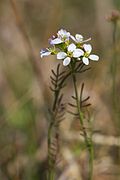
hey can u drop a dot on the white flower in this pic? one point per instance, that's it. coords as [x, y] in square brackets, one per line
[87, 56]
[72, 51]
[79, 38]
[55, 41]
[45, 52]
[62, 36]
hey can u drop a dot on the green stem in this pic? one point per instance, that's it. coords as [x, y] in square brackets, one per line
[88, 141]
[51, 174]
[114, 66]
[91, 158]
[51, 171]
[115, 98]
[116, 114]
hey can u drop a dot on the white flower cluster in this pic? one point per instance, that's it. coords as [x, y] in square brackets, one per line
[68, 48]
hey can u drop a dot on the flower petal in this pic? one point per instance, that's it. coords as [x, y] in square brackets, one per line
[85, 60]
[61, 55]
[77, 53]
[88, 48]
[73, 38]
[94, 57]
[62, 33]
[66, 61]
[44, 53]
[79, 38]
[71, 47]
[56, 41]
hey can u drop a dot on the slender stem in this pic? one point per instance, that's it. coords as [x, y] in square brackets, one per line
[115, 106]
[114, 32]
[51, 174]
[88, 141]
[114, 65]
[51, 171]
[91, 155]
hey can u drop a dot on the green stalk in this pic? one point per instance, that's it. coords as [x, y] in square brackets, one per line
[88, 141]
[51, 171]
[114, 65]
[116, 114]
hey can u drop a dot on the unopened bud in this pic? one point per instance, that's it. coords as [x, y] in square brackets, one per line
[114, 16]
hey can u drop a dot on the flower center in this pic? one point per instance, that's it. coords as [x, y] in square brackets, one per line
[70, 54]
[79, 45]
[86, 54]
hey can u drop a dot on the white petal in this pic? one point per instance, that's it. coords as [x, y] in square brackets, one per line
[68, 35]
[88, 48]
[66, 61]
[77, 53]
[79, 37]
[45, 54]
[85, 60]
[63, 34]
[71, 47]
[94, 57]
[73, 38]
[61, 55]
[56, 41]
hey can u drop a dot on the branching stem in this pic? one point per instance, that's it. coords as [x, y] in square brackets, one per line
[51, 171]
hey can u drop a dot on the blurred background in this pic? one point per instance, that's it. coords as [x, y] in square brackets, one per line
[25, 27]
